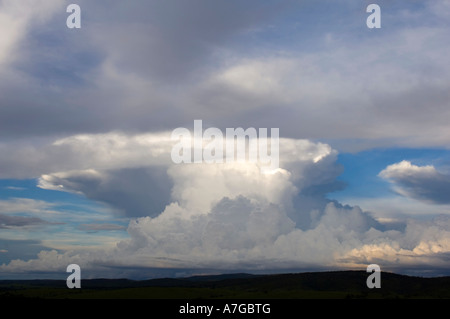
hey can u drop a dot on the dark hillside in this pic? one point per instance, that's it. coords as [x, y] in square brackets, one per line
[339, 284]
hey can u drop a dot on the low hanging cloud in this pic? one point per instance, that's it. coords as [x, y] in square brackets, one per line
[423, 183]
[247, 235]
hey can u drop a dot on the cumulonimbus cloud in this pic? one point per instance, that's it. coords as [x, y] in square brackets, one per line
[233, 216]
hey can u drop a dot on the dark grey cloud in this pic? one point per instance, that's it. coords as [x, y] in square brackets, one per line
[171, 39]
[424, 183]
[130, 192]
[68, 81]
[153, 65]
[9, 221]
[95, 227]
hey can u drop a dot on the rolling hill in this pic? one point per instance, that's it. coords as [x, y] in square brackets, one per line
[310, 285]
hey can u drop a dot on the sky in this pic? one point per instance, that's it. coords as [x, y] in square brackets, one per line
[86, 116]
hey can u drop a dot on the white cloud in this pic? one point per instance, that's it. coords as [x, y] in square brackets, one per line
[26, 205]
[395, 208]
[16, 17]
[47, 261]
[420, 182]
[134, 173]
[112, 150]
[232, 216]
[15, 188]
[421, 245]
[245, 234]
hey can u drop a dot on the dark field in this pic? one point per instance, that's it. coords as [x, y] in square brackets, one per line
[317, 285]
